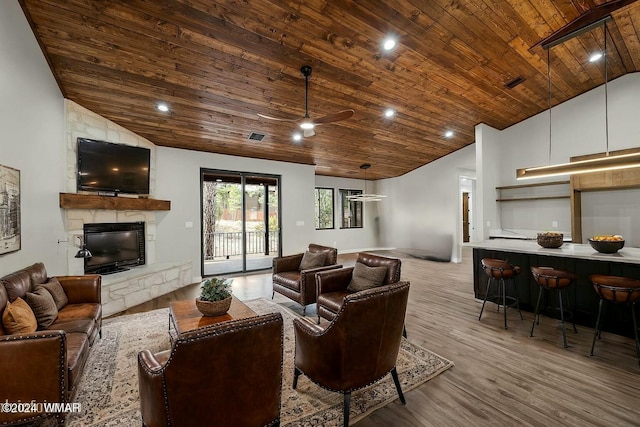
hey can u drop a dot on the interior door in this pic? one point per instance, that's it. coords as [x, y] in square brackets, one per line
[465, 217]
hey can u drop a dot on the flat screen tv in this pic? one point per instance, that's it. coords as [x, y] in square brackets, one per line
[114, 247]
[112, 168]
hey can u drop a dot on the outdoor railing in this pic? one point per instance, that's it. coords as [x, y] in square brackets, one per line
[225, 245]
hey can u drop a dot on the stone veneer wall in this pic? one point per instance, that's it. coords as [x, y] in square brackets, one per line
[122, 290]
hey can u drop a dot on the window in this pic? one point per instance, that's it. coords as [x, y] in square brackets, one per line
[324, 208]
[351, 210]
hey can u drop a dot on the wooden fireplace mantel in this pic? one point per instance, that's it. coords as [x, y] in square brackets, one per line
[93, 201]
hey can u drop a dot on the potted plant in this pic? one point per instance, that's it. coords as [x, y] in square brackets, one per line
[215, 296]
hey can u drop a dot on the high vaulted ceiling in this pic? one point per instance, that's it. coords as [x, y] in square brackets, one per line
[219, 63]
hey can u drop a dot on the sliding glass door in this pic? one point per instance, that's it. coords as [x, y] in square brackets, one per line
[240, 221]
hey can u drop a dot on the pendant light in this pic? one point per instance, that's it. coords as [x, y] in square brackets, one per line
[604, 163]
[365, 197]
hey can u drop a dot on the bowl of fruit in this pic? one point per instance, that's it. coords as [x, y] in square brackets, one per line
[607, 243]
[550, 239]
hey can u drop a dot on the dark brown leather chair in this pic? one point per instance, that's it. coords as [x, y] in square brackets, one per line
[300, 286]
[359, 347]
[228, 374]
[332, 285]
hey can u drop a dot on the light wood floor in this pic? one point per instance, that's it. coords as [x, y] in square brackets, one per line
[500, 377]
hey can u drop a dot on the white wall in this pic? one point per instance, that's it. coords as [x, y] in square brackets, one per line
[178, 180]
[32, 123]
[353, 239]
[421, 210]
[577, 128]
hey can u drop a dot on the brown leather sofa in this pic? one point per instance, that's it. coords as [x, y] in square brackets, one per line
[46, 365]
[227, 374]
[359, 347]
[332, 285]
[300, 286]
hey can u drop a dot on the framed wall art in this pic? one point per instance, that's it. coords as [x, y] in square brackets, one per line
[9, 210]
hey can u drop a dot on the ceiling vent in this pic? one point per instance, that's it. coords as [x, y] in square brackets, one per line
[515, 82]
[255, 136]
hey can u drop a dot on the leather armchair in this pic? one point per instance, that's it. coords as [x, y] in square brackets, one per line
[227, 374]
[359, 347]
[332, 285]
[300, 286]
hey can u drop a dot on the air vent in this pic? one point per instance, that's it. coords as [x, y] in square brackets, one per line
[515, 82]
[255, 136]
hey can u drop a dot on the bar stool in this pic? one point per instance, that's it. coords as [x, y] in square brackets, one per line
[619, 290]
[550, 279]
[500, 271]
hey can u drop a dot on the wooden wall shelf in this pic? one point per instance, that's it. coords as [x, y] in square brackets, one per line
[93, 201]
[520, 199]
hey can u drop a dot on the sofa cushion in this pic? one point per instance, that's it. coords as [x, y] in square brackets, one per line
[18, 318]
[80, 326]
[77, 353]
[57, 292]
[37, 274]
[80, 311]
[17, 284]
[312, 260]
[42, 305]
[365, 277]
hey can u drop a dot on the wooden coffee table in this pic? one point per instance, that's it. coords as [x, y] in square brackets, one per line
[184, 316]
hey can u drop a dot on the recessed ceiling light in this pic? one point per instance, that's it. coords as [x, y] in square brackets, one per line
[595, 56]
[297, 137]
[162, 107]
[389, 43]
[389, 112]
[448, 134]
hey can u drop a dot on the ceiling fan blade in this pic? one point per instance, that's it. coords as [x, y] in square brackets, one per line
[341, 115]
[281, 119]
[308, 132]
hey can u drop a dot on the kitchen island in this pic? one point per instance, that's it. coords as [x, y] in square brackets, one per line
[581, 259]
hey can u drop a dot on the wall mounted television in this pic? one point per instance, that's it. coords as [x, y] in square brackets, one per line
[114, 247]
[111, 168]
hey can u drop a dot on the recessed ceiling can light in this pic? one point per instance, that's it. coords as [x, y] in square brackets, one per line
[162, 107]
[389, 43]
[448, 134]
[297, 137]
[595, 57]
[389, 112]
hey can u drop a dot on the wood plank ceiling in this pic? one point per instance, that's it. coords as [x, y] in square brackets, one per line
[219, 63]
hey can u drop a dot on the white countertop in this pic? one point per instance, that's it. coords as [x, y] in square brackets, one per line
[568, 250]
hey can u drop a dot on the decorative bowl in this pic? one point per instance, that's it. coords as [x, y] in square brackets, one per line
[606, 246]
[550, 240]
[213, 308]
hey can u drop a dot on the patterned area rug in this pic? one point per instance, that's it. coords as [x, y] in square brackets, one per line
[109, 388]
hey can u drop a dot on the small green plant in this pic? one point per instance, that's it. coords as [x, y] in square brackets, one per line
[215, 289]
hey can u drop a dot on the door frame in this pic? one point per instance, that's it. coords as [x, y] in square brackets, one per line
[242, 175]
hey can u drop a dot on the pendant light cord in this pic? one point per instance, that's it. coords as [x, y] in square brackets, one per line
[549, 83]
[606, 94]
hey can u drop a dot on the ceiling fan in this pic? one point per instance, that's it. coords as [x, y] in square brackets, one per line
[306, 123]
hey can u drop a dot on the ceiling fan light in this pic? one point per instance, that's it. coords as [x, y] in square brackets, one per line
[595, 56]
[306, 125]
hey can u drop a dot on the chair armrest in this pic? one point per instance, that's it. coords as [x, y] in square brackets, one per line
[309, 327]
[333, 280]
[287, 263]
[34, 366]
[311, 271]
[148, 361]
[152, 398]
[82, 289]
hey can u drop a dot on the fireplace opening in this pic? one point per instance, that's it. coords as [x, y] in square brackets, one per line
[114, 247]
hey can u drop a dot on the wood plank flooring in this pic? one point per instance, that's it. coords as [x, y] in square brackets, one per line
[500, 377]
